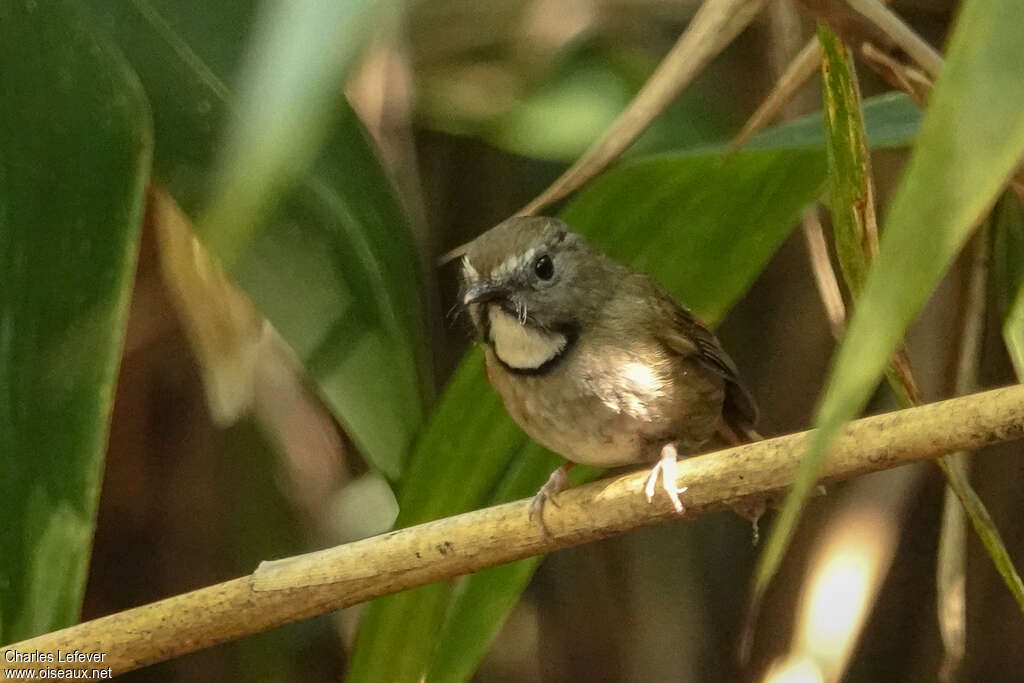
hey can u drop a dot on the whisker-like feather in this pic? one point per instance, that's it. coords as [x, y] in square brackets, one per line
[453, 313]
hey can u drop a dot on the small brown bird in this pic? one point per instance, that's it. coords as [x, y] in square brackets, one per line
[593, 360]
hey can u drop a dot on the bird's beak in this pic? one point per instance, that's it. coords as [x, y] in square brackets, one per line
[483, 292]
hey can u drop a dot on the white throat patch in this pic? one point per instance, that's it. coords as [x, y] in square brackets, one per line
[519, 346]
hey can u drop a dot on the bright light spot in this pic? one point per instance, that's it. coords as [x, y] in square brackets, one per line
[641, 385]
[847, 569]
[795, 670]
[642, 377]
[838, 601]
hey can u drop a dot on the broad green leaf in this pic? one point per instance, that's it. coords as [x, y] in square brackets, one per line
[75, 146]
[705, 227]
[475, 440]
[334, 267]
[971, 138]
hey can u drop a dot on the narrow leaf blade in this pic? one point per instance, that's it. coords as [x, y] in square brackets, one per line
[851, 195]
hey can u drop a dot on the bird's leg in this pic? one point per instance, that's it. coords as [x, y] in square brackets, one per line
[666, 467]
[556, 483]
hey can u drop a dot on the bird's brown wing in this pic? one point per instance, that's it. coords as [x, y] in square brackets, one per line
[689, 337]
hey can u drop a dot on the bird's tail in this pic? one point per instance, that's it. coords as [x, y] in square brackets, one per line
[733, 432]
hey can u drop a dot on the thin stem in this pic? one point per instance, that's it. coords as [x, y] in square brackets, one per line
[824, 273]
[951, 570]
[927, 57]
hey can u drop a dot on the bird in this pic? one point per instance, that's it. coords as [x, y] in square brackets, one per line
[594, 360]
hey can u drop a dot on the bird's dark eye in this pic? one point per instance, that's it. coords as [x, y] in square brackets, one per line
[543, 267]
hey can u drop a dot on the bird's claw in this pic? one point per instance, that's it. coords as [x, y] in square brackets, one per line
[666, 468]
[556, 483]
[538, 502]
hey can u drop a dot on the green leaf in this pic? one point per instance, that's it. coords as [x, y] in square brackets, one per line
[465, 447]
[984, 526]
[971, 138]
[482, 601]
[1007, 269]
[851, 195]
[851, 189]
[334, 267]
[891, 119]
[75, 135]
[703, 226]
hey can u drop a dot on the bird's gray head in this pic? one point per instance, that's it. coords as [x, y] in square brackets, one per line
[535, 271]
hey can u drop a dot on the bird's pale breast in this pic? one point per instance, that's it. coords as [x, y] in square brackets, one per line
[614, 404]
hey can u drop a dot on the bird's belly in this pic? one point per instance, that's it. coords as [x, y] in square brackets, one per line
[589, 435]
[590, 429]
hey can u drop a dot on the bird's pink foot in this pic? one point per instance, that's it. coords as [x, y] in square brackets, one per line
[666, 468]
